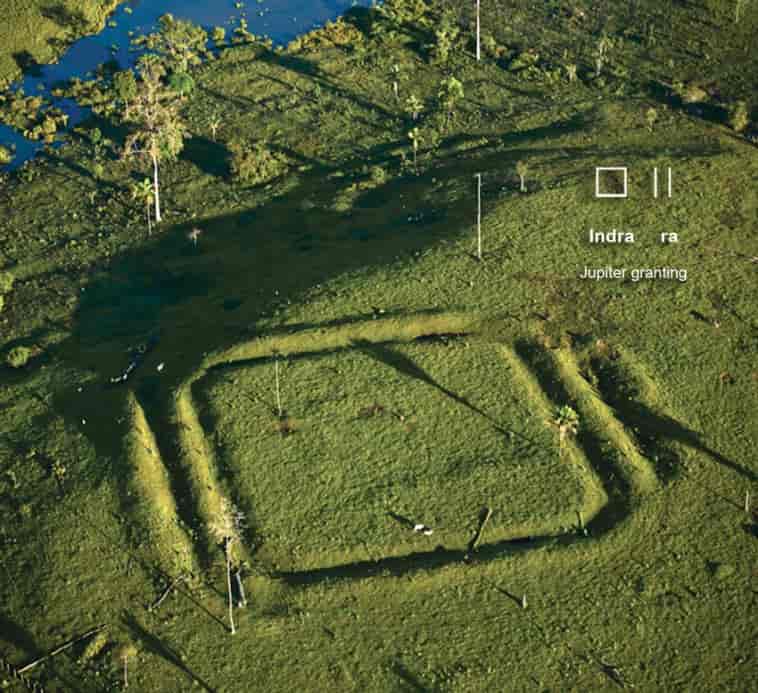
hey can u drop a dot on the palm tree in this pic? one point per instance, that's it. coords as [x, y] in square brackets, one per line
[214, 125]
[226, 529]
[566, 421]
[414, 106]
[449, 94]
[143, 191]
[415, 137]
[123, 653]
[522, 168]
[158, 130]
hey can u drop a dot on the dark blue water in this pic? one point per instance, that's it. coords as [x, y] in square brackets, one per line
[280, 20]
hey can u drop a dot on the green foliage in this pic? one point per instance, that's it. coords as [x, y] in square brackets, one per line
[125, 86]
[241, 33]
[445, 36]
[651, 117]
[567, 422]
[449, 95]
[739, 117]
[6, 282]
[158, 130]
[414, 106]
[182, 83]
[6, 156]
[94, 647]
[255, 163]
[179, 42]
[18, 357]
[218, 35]
[377, 175]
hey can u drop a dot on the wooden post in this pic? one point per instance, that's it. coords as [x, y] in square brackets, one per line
[479, 214]
[278, 393]
[64, 646]
[228, 552]
[523, 601]
[747, 502]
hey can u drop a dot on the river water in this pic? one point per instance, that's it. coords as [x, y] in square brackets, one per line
[281, 20]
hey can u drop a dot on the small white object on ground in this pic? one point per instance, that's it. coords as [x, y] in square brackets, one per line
[426, 531]
[160, 366]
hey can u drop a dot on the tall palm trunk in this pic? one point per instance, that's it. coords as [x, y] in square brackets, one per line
[478, 34]
[156, 191]
[227, 550]
[149, 218]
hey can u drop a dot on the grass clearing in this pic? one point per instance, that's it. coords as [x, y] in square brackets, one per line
[387, 436]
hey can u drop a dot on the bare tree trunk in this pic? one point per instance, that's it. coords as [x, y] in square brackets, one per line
[149, 218]
[227, 551]
[478, 34]
[156, 191]
[126, 673]
[278, 392]
[523, 186]
[479, 216]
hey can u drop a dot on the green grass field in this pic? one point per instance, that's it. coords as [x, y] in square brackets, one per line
[418, 384]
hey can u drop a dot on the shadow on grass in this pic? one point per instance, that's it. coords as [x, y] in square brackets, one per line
[410, 681]
[160, 289]
[408, 367]
[14, 634]
[153, 644]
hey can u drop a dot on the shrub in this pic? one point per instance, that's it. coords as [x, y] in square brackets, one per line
[218, 35]
[6, 282]
[255, 164]
[182, 83]
[445, 37]
[18, 357]
[125, 85]
[6, 156]
[378, 175]
[739, 118]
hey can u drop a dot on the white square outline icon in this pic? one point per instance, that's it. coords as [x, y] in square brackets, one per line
[598, 170]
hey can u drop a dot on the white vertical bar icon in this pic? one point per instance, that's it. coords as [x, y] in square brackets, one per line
[655, 182]
[669, 181]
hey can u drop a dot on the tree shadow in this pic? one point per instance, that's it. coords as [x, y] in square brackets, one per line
[28, 64]
[408, 367]
[153, 644]
[14, 634]
[652, 425]
[209, 156]
[410, 681]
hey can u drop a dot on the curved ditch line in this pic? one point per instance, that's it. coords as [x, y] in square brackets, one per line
[637, 472]
[597, 497]
[150, 494]
[199, 463]
[396, 329]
